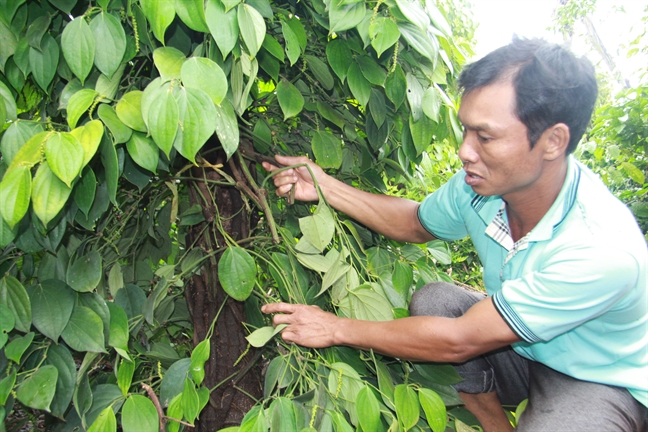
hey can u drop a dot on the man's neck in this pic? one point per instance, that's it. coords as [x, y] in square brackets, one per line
[525, 209]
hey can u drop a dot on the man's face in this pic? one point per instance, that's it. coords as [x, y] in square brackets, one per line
[496, 153]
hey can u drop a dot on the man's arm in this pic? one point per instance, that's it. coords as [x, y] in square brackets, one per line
[420, 338]
[394, 217]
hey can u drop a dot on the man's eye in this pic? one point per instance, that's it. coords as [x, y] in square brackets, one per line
[483, 138]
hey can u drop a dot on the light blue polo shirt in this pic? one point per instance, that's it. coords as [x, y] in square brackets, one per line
[574, 289]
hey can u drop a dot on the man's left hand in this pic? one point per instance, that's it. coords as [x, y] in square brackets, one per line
[308, 326]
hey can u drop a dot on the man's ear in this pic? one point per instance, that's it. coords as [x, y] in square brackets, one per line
[556, 140]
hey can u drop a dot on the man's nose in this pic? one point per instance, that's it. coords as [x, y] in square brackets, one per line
[467, 152]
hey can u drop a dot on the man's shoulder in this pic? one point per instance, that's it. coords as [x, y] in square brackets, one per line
[598, 220]
[599, 210]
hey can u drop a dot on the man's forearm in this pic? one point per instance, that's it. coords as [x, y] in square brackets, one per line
[393, 217]
[414, 338]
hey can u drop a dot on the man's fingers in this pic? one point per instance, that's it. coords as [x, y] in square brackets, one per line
[269, 167]
[278, 307]
[291, 160]
[282, 319]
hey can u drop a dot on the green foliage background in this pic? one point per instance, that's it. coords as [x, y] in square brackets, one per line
[113, 109]
[109, 109]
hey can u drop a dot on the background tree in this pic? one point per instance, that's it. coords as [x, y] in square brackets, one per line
[139, 237]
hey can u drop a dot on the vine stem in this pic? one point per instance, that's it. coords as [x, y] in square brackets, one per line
[156, 402]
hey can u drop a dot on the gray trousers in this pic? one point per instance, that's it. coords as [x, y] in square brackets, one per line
[557, 402]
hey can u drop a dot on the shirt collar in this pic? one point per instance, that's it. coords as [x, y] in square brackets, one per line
[488, 207]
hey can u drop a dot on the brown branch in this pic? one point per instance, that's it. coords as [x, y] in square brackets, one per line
[262, 200]
[241, 184]
[156, 402]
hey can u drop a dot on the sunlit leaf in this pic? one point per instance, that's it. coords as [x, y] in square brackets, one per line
[633, 172]
[49, 194]
[106, 87]
[197, 123]
[366, 304]
[192, 13]
[384, 34]
[15, 191]
[434, 409]
[419, 40]
[125, 375]
[223, 25]
[190, 401]
[368, 409]
[169, 61]
[345, 16]
[199, 356]
[139, 415]
[319, 228]
[205, 74]
[414, 12]
[227, 127]
[79, 104]
[129, 110]
[163, 120]
[431, 103]
[15, 136]
[89, 136]
[143, 151]
[160, 14]
[105, 422]
[293, 49]
[407, 406]
[261, 336]
[252, 26]
[422, 133]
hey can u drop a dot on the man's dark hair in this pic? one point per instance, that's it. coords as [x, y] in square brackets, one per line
[551, 85]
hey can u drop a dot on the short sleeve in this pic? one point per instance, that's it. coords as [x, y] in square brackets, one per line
[441, 212]
[572, 287]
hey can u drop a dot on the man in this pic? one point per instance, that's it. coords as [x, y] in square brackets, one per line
[564, 261]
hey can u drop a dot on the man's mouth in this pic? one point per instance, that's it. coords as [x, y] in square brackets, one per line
[472, 179]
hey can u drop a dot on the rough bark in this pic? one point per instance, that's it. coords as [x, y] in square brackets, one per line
[238, 380]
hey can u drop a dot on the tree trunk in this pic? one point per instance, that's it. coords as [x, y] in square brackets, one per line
[237, 378]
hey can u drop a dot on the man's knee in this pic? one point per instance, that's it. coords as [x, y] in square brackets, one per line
[560, 402]
[442, 299]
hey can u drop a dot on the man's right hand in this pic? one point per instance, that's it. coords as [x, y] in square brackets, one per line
[299, 178]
